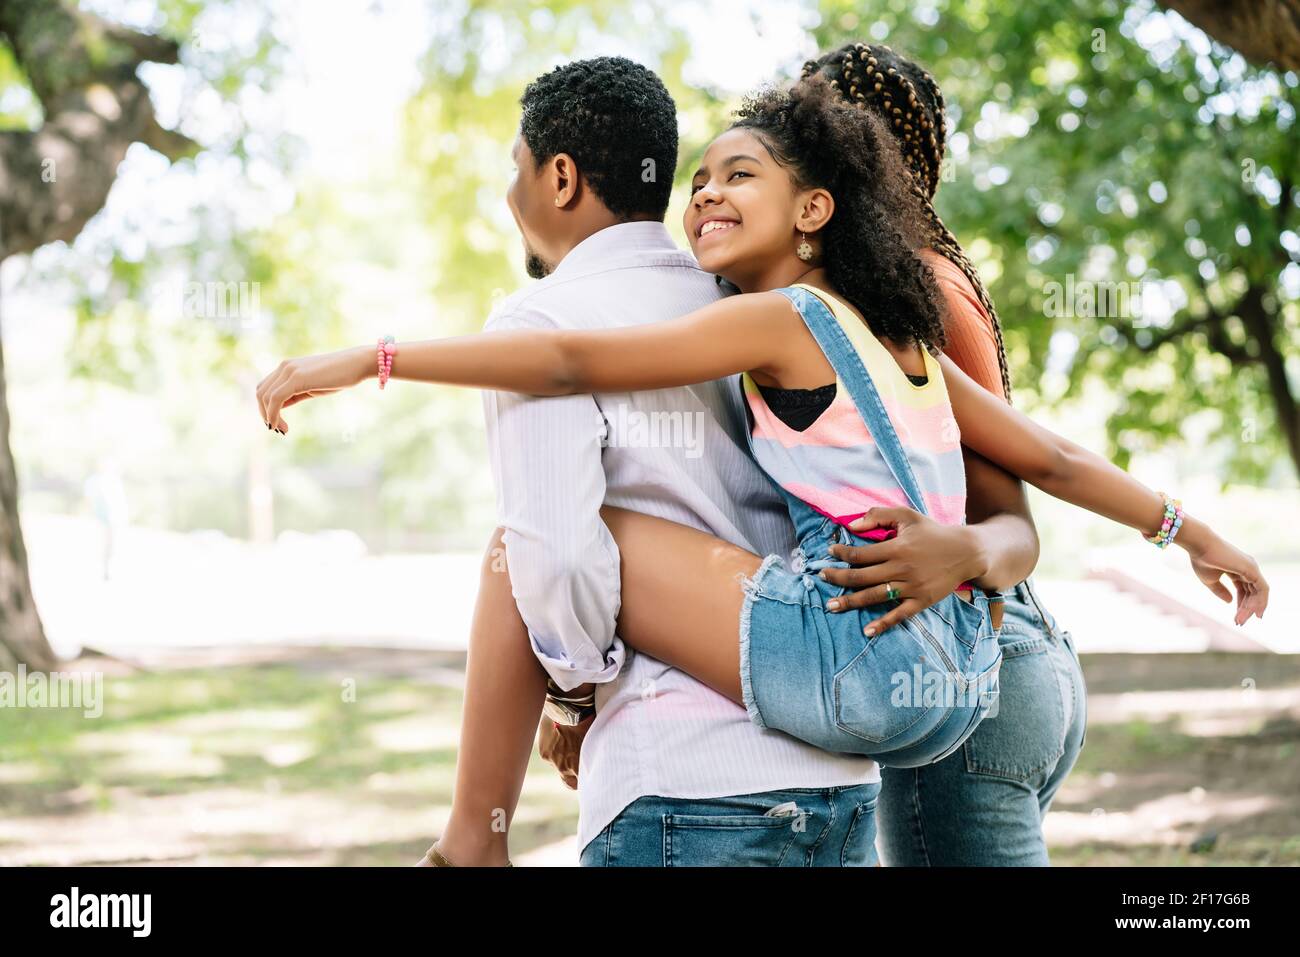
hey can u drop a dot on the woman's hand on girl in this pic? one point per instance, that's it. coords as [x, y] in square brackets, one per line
[295, 380]
[923, 563]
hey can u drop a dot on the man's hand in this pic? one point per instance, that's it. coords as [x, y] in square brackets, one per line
[561, 745]
[924, 562]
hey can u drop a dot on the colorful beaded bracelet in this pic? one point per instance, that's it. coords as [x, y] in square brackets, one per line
[1169, 526]
[384, 357]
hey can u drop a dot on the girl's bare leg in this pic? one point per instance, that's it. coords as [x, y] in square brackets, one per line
[504, 690]
[682, 596]
[681, 601]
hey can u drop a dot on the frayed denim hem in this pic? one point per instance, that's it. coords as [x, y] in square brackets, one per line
[753, 591]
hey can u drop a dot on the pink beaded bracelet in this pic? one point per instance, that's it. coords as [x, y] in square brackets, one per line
[385, 351]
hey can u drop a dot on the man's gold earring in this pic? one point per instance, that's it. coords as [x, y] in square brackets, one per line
[804, 251]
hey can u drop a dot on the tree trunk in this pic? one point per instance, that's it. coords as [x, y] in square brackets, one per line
[22, 639]
[1263, 328]
[1266, 32]
[83, 70]
[52, 181]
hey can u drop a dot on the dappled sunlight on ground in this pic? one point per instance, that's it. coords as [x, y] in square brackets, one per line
[1195, 706]
[1198, 769]
[1174, 819]
[345, 756]
[258, 762]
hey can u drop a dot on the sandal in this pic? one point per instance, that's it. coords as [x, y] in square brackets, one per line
[435, 858]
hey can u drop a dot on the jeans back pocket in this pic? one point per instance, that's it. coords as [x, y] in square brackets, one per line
[968, 620]
[1024, 738]
[898, 688]
[729, 840]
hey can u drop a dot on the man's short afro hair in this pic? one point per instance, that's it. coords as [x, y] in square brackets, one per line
[619, 123]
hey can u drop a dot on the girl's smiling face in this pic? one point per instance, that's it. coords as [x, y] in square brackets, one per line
[741, 218]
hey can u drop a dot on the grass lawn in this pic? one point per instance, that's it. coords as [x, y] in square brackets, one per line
[346, 757]
[263, 761]
[1189, 760]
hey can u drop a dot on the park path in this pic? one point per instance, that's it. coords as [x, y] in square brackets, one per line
[181, 590]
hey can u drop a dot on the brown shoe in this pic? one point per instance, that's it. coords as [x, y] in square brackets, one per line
[434, 858]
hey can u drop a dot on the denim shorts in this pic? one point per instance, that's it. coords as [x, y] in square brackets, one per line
[798, 827]
[908, 697]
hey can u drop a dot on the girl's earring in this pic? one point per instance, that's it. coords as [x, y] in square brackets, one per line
[557, 201]
[804, 250]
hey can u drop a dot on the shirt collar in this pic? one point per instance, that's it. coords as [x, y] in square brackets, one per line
[621, 238]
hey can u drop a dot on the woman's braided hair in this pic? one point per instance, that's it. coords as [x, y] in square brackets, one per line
[877, 79]
[869, 244]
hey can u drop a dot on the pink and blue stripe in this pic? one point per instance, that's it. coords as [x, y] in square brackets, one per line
[834, 465]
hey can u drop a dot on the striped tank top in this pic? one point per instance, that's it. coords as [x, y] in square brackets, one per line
[834, 465]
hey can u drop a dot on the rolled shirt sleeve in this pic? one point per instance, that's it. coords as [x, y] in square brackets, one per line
[563, 562]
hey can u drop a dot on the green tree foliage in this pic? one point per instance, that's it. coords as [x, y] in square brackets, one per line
[1088, 145]
[463, 119]
[1107, 142]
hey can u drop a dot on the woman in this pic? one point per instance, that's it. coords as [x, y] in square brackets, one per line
[984, 805]
[799, 169]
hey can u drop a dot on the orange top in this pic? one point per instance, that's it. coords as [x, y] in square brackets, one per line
[972, 343]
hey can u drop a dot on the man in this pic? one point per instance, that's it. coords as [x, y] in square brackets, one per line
[595, 155]
[672, 773]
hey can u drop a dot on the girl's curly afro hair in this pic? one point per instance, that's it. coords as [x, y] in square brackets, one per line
[869, 244]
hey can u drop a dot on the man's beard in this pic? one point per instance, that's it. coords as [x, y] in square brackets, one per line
[535, 265]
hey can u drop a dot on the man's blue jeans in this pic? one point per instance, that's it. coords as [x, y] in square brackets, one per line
[800, 827]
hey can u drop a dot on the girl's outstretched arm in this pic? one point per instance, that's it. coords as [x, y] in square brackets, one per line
[1071, 473]
[740, 333]
[736, 334]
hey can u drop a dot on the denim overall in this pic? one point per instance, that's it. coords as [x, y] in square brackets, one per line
[908, 697]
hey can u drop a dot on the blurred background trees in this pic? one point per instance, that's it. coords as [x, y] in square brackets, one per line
[350, 184]
[87, 106]
[1103, 141]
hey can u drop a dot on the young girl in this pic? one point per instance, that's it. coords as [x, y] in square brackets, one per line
[798, 206]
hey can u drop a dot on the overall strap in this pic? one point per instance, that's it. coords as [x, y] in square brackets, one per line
[844, 358]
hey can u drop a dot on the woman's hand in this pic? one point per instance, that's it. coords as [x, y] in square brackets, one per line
[295, 380]
[1213, 557]
[925, 561]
